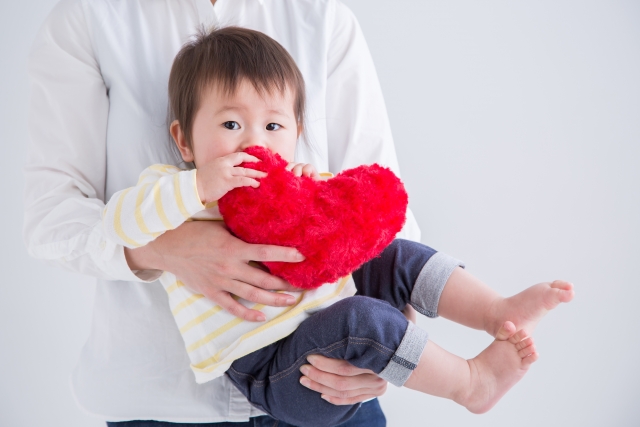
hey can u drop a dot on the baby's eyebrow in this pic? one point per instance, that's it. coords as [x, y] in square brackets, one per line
[279, 112]
[227, 108]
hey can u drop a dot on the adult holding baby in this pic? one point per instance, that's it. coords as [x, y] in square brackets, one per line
[98, 116]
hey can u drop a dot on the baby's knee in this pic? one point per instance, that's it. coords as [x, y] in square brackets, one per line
[361, 310]
[400, 247]
[363, 306]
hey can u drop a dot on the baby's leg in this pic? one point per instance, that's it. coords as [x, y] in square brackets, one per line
[434, 284]
[468, 301]
[406, 272]
[370, 334]
[478, 383]
[365, 332]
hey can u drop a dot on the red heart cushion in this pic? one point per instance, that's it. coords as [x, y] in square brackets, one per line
[337, 224]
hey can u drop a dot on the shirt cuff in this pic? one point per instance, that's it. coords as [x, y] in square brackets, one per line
[430, 283]
[113, 262]
[119, 267]
[189, 189]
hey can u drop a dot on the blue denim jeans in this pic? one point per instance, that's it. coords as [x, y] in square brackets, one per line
[369, 415]
[367, 330]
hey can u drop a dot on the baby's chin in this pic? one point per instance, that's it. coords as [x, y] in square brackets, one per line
[289, 157]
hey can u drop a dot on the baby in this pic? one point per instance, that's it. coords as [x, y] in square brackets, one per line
[235, 88]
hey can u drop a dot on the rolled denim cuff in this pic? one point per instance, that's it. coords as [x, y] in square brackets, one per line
[430, 283]
[406, 357]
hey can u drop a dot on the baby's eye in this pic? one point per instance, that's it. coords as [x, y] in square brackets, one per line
[273, 126]
[231, 125]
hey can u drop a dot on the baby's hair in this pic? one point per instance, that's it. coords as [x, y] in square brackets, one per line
[224, 57]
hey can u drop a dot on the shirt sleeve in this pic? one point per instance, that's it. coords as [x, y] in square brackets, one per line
[65, 170]
[358, 128]
[164, 198]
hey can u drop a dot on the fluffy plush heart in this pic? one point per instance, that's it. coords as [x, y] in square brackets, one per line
[337, 224]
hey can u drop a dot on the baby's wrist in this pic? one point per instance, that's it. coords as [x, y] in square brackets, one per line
[200, 189]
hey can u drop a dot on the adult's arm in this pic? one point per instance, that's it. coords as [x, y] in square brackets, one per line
[358, 132]
[358, 128]
[65, 176]
[65, 170]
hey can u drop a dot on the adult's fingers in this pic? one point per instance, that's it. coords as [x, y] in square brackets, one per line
[336, 366]
[224, 300]
[264, 253]
[348, 401]
[262, 279]
[342, 397]
[341, 383]
[260, 296]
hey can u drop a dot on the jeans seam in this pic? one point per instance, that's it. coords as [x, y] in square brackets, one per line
[331, 347]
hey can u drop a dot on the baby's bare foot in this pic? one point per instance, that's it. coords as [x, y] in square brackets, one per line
[529, 306]
[498, 368]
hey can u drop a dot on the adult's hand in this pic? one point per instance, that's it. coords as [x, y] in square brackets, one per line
[211, 261]
[339, 382]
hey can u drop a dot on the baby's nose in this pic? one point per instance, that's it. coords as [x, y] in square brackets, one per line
[252, 141]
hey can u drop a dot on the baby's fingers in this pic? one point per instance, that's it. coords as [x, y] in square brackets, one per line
[244, 181]
[310, 171]
[237, 158]
[297, 169]
[248, 172]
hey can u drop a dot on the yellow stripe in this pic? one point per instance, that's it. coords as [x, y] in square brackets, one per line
[159, 209]
[186, 303]
[117, 222]
[299, 309]
[211, 204]
[216, 356]
[163, 168]
[217, 308]
[202, 366]
[326, 174]
[204, 316]
[176, 285]
[176, 184]
[221, 330]
[142, 177]
[138, 213]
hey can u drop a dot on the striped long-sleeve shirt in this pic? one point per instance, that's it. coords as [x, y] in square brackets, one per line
[163, 199]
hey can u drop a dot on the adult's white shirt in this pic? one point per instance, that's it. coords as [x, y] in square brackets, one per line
[98, 117]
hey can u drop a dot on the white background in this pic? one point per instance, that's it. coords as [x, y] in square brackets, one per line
[517, 126]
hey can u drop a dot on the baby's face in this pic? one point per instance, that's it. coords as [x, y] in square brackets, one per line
[225, 124]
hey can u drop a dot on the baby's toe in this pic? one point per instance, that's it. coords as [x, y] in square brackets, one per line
[529, 359]
[564, 295]
[562, 284]
[506, 331]
[518, 336]
[527, 351]
[527, 342]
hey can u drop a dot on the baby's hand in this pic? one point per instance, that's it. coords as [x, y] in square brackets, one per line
[302, 169]
[223, 174]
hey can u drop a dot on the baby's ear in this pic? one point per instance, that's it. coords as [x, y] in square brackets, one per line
[178, 137]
